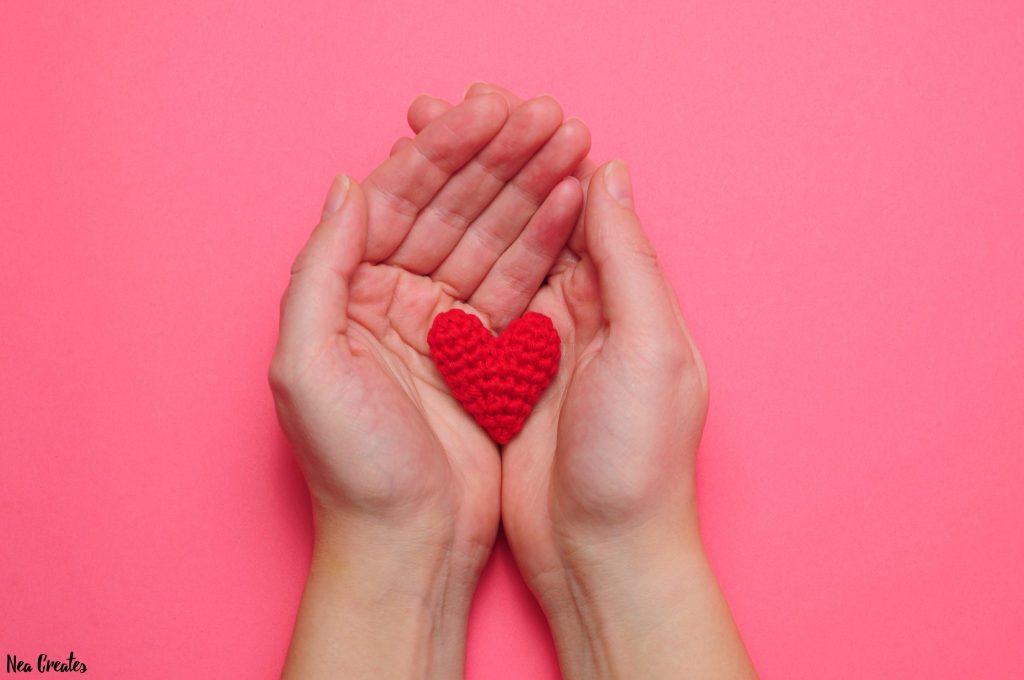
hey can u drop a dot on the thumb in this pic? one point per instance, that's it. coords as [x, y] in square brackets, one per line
[635, 296]
[315, 305]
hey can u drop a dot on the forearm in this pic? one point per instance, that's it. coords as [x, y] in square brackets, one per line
[645, 606]
[378, 609]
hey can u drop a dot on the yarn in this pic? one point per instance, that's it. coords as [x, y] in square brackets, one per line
[497, 379]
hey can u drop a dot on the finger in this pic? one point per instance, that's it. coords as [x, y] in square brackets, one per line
[427, 108]
[400, 143]
[504, 219]
[582, 295]
[314, 306]
[424, 109]
[480, 88]
[577, 240]
[441, 224]
[583, 172]
[586, 167]
[517, 275]
[335, 197]
[636, 298]
[399, 188]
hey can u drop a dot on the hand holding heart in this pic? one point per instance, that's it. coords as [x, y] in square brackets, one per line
[405, 485]
[463, 295]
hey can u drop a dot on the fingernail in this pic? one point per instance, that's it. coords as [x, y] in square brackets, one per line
[336, 195]
[616, 180]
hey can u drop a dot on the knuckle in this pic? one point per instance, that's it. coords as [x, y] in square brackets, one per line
[450, 217]
[524, 190]
[287, 372]
[300, 262]
[279, 374]
[646, 254]
[518, 279]
[490, 239]
[393, 200]
[671, 356]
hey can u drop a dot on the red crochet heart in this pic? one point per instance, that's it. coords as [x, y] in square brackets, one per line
[496, 379]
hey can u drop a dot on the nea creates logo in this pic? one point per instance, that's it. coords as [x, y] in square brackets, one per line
[45, 664]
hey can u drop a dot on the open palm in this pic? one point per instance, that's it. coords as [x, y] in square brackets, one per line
[471, 213]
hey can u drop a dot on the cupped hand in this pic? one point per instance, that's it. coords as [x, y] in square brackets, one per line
[598, 498]
[598, 489]
[471, 214]
[405, 485]
[607, 456]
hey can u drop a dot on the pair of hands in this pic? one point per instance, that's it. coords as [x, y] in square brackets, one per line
[493, 208]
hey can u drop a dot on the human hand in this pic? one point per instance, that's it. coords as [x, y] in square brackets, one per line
[426, 108]
[405, 486]
[597, 489]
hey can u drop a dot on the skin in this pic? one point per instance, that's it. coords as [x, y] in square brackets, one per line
[405, 486]
[598, 498]
[596, 493]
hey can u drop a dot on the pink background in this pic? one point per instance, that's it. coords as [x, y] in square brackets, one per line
[836, 188]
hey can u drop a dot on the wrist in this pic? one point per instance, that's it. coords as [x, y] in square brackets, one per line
[608, 593]
[426, 563]
[385, 603]
[420, 547]
[643, 605]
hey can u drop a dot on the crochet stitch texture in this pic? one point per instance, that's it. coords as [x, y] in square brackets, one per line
[496, 379]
